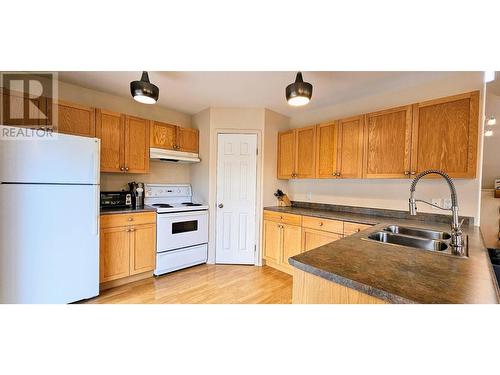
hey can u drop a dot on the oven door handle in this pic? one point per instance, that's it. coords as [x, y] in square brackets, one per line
[166, 215]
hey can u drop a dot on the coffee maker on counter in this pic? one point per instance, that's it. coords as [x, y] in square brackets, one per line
[137, 190]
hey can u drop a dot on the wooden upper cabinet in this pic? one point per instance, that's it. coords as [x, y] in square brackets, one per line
[136, 145]
[75, 119]
[110, 129]
[187, 139]
[387, 143]
[172, 137]
[326, 150]
[445, 135]
[163, 135]
[286, 154]
[305, 153]
[350, 147]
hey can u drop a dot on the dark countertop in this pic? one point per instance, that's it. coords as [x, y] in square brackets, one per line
[399, 274]
[109, 211]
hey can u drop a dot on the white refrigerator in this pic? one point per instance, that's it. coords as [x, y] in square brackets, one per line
[49, 219]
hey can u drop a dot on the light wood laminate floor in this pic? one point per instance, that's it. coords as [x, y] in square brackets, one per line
[206, 283]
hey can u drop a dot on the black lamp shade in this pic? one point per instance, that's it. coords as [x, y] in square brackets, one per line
[298, 93]
[144, 91]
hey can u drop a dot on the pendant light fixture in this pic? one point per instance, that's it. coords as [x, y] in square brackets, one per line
[298, 93]
[144, 91]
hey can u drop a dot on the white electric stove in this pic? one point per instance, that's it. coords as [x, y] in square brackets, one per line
[181, 227]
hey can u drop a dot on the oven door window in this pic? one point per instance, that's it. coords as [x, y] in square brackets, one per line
[185, 226]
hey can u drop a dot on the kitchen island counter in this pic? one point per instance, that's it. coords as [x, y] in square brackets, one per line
[399, 274]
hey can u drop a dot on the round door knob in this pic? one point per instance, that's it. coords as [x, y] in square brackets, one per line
[321, 224]
[126, 168]
[130, 219]
[122, 169]
[221, 205]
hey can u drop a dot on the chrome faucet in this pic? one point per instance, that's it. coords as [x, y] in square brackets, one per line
[458, 246]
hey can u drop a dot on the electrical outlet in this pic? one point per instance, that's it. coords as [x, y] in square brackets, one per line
[309, 196]
[447, 203]
[436, 201]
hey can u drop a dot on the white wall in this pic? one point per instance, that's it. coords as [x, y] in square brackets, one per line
[273, 123]
[213, 121]
[392, 194]
[491, 149]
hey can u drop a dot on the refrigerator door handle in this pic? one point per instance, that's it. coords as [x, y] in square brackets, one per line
[97, 208]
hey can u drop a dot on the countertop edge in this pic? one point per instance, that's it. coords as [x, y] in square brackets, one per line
[124, 211]
[360, 287]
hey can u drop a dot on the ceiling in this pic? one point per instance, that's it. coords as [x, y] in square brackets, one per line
[191, 92]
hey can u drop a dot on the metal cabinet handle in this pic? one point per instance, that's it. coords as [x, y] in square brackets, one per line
[126, 169]
[220, 205]
[320, 223]
[130, 230]
[407, 173]
[122, 169]
[130, 219]
[413, 172]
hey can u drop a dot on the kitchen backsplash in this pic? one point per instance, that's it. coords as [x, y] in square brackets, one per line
[160, 172]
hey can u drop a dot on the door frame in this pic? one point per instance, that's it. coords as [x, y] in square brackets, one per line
[258, 191]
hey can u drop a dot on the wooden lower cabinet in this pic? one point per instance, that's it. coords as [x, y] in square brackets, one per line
[272, 241]
[142, 248]
[286, 235]
[114, 254]
[313, 238]
[126, 250]
[312, 289]
[281, 241]
[292, 242]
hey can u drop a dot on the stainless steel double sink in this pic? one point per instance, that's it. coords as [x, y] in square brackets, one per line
[425, 239]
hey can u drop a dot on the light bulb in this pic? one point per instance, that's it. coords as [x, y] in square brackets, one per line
[297, 101]
[491, 121]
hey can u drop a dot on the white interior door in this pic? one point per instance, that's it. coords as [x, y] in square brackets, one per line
[236, 198]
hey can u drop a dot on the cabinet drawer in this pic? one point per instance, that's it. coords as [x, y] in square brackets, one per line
[351, 228]
[282, 217]
[119, 220]
[328, 225]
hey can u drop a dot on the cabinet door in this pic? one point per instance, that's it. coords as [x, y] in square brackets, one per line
[75, 119]
[445, 135]
[110, 129]
[163, 135]
[272, 241]
[142, 248]
[187, 139]
[114, 253]
[136, 145]
[388, 143]
[326, 150]
[286, 154]
[305, 154]
[292, 242]
[313, 238]
[350, 147]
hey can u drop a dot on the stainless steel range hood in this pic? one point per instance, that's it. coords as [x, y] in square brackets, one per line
[173, 156]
